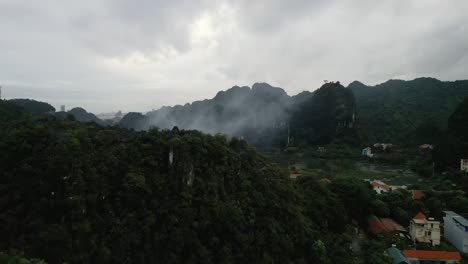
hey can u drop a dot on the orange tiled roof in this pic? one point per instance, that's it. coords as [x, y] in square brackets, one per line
[417, 195]
[377, 225]
[391, 225]
[425, 146]
[383, 186]
[428, 254]
[420, 216]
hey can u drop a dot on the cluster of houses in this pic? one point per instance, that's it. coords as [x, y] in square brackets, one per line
[424, 229]
[367, 152]
[380, 187]
[424, 148]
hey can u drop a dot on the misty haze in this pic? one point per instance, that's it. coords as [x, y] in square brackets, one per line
[233, 131]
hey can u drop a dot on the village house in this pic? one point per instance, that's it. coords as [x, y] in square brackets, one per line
[367, 152]
[456, 230]
[379, 186]
[383, 146]
[294, 175]
[429, 256]
[321, 149]
[425, 230]
[417, 195]
[464, 165]
[426, 146]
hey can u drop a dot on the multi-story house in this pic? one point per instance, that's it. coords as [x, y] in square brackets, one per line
[464, 164]
[425, 230]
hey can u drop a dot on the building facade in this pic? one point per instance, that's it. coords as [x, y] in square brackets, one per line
[456, 230]
[379, 186]
[464, 164]
[367, 152]
[425, 230]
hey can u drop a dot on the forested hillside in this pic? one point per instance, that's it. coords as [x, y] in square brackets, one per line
[326, 116]
[73, 192]
[264, 116]
[81, 115]
[80, 193]
[34, 107]
[453, 143]
[394, 110]
[258, 114]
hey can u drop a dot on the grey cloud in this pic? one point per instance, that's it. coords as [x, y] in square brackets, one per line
[138, 55]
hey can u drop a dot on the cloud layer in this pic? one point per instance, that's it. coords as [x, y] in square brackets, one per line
[138, 55]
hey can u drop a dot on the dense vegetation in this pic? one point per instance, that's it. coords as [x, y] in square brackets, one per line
[452, 144]
[395, 110]
[78, 192]
[263, 115]
[258, 115]
[325, 117]
[81, 115]
[81, 193]
[33, 107]
[402, 112]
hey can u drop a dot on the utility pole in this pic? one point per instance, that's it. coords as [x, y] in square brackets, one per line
[0, 92]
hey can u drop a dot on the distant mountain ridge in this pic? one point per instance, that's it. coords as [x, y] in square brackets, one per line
[256, 114]
[33, 107]
[81, 115]
[395, 109]
[260, 114]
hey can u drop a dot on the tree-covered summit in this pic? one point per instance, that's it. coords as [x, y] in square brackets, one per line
[81, 193]
[393, 111]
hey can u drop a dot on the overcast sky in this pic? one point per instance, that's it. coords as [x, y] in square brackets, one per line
[108, 55]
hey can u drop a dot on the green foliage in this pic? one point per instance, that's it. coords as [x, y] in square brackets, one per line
[134, 120]
[80, 193]
[257, 114]
[81, 115]
[327, 116]
[264, 116]
[356, 196]
[14, 259]
[453, 145]
[396, 111]
[374, 252]
[33, 107]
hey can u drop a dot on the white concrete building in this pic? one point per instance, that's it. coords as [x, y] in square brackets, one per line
[425, 230]
[456, 230]
[464, 165]
[379, 186]
[367, 152]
